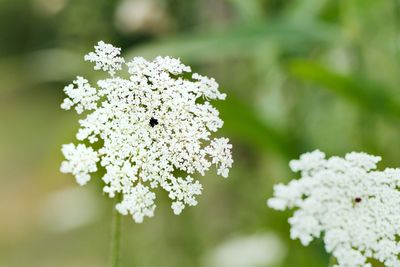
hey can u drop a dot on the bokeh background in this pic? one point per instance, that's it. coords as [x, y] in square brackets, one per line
[299, 75]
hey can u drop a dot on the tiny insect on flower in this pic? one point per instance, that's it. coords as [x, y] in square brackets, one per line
[153, 122]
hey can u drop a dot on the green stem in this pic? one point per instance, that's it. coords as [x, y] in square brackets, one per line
[116, 235]
[332, 261]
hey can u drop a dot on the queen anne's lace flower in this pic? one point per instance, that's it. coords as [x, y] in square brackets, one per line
[146, 129]
[355, 208]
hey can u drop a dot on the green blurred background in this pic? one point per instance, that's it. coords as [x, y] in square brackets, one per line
[299, 75]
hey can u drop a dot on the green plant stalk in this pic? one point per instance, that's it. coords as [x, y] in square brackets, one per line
[332, 261]
[116, 235]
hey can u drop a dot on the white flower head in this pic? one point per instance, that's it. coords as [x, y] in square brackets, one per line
[352, 206]
[146, 128]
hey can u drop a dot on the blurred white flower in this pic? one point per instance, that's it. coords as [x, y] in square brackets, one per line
[146, 127]
[48, 7]
[145, 16]
[259, 250]
[352, 206]
[68, 209]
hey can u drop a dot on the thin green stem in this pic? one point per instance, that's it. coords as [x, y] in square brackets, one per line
[116, 235]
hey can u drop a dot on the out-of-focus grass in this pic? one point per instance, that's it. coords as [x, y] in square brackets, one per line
[361, 91]
[299, 75]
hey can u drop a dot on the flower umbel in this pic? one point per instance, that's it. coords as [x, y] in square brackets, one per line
[146, 127]
[355, 208]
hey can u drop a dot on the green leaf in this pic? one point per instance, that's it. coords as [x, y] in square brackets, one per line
[241, 40]
[365, 93]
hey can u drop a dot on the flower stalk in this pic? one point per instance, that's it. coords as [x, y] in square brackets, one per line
[116, 235]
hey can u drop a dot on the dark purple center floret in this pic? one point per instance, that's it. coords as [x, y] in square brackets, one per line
[153, 122]
[357, 199]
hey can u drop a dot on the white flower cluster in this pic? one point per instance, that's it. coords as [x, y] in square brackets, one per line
[355, 208]
[106, 57]
[81, 161]
[149, 127]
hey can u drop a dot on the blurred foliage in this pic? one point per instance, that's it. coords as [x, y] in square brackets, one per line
[299, 75]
